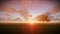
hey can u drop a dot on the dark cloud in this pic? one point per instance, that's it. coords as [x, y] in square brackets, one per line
[4, 1]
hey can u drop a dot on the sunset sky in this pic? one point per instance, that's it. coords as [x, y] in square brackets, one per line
[15, 9]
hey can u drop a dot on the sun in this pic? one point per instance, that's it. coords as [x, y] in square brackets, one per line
[32, 22]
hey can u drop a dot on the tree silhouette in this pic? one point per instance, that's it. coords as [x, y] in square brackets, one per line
[42, 18]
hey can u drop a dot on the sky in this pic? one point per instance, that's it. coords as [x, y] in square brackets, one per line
[23, 9]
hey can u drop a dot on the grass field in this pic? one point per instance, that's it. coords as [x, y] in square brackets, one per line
[26, 28]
